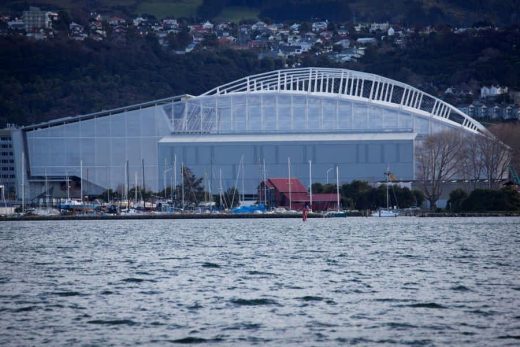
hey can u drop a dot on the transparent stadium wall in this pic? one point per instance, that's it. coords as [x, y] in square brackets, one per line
[103, 144]
[275, 112]
[358, 156]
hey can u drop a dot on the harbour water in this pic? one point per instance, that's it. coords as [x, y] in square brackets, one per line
[325, 282]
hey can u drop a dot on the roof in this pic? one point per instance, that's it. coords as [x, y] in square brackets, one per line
[282, 185]
[352, 85]
[233, 138]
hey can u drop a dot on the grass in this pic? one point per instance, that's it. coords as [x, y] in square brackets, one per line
[158, 8]
[165, 8]
[238, 13]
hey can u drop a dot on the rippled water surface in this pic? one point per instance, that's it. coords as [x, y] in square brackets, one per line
[277, 282]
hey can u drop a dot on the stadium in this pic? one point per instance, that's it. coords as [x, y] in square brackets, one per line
[236, 134]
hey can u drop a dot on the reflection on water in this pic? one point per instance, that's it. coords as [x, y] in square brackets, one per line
[363, 281]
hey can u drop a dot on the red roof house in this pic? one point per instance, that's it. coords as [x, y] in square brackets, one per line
[291, 193]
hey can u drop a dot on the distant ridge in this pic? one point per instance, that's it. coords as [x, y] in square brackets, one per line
[418, 12]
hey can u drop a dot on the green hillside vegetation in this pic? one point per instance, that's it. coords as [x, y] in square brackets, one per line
[46, 80]
[237, 14]
[412, 12]
[168, 8]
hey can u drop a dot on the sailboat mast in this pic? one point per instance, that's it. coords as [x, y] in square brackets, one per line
[174, 177]
[289, 171]
[387, 173]
[310, 183]
[182, 183]
[265, 184]
[337, 185]
[127, 184]
[220, 187]
[135, 188]
[243, 174]
[144, 184]
[23, 182]
[81, 180]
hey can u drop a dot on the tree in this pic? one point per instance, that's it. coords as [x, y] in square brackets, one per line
[180, 40]
[229, 199]
[471, 164]
[495, 159]
[191, 189]
[457, 197]
[353, 194]
[508, 134]
[483, 200]
[437, 161]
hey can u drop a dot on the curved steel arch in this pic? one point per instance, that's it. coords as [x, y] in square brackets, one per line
[353, 85]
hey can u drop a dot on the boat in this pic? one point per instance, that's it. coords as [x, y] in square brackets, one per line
[333, 214]
[386, 212]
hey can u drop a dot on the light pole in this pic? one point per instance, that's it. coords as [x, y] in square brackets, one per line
[328, 170]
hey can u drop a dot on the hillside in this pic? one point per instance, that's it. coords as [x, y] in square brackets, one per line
[417, 12]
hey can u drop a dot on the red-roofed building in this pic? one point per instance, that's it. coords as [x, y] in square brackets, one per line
[284, 192]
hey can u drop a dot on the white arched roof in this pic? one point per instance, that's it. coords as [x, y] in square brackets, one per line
[352, 85]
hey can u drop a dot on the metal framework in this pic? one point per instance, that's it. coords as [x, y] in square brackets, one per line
[351, 85]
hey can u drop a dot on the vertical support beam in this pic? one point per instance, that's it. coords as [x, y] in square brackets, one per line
[371, 95]
[310, 79]
[409, 96]
[419, 102]
[448, 111]
[405, 91]
[379, 90]
[341, 82]
[435, 106]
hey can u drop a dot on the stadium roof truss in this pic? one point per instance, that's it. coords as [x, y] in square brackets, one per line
[194, 115]
[355, 86]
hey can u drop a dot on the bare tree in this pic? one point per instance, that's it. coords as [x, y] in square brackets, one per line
[509, 133]
[470, 159]
[437, 162]
[495, 157]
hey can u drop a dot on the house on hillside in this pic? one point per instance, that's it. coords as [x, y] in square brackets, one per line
[292, 194]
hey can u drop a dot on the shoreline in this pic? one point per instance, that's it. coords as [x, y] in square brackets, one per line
[241, 216]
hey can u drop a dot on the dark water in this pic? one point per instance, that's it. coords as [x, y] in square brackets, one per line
[327, 282]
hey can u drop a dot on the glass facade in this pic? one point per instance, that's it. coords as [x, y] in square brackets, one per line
[285, 112]
[102, 145]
